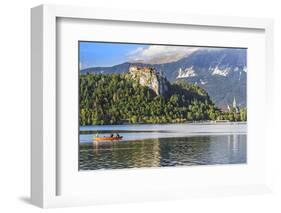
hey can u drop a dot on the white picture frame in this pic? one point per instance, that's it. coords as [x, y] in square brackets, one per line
[44, 148]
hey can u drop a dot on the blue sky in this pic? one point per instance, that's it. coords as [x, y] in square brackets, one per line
[94, 54]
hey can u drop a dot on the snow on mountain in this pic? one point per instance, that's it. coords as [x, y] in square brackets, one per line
[220, 71]
[188, 72]
[203, 82]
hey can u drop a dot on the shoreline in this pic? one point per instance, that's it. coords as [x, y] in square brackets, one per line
[179, 123]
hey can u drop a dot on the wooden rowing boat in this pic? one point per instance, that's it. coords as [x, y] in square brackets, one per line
[115, 138]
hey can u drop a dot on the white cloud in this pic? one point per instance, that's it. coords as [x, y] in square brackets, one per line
[157, 54]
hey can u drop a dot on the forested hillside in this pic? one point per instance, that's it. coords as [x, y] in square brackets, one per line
[115, 99]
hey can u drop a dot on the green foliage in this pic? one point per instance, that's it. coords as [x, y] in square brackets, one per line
[114, 99]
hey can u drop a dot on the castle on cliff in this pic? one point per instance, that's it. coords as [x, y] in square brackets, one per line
[148, 76]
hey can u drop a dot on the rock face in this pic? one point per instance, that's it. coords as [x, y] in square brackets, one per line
[149, 77]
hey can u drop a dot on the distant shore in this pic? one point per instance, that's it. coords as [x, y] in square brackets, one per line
[186, 122]
[85, 128]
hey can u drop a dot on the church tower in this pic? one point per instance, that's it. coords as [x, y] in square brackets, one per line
[234, 103]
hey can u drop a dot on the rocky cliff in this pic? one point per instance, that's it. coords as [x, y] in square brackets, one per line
[149, 77]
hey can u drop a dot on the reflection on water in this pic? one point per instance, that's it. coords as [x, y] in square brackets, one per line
[160, 152]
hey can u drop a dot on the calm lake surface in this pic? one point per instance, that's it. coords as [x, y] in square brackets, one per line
[163, 145]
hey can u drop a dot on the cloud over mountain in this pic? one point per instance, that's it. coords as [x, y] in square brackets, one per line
[159, 54]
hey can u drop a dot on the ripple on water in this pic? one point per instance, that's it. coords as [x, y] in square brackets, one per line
[163, 152]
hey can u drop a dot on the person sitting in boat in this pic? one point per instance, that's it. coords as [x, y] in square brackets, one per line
[112, 135]
[118, 135]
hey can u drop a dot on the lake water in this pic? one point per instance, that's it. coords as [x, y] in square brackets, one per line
[163, 145]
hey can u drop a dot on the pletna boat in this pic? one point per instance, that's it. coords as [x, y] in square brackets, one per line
[114, 138]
